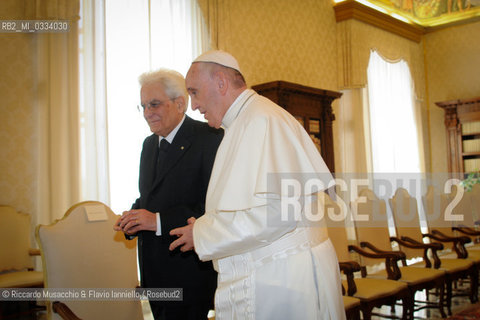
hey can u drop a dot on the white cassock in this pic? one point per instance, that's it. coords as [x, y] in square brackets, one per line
[267, 268]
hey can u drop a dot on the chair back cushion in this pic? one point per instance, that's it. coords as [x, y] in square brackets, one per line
[407, 221]
[338, 235]
[371, 223]
[14, 240]
[78, 253]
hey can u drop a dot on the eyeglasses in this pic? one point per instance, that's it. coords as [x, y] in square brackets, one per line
[154, 104]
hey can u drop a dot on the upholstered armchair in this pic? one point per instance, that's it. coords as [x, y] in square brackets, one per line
[82, 251]
[16, 262]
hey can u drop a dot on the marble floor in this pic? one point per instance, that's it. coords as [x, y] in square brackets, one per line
[459, 303]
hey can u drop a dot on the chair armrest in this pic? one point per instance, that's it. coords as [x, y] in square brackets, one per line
[348, 268]
[472, 233]
[370, 246]
[462, 239]
[34, 252]
[64, 311]
[458, 242]
[413, 244]
[391, 259]
[374, 255]
[466, 230]
[409, 241]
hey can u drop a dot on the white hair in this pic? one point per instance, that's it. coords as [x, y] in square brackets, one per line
[172, 81]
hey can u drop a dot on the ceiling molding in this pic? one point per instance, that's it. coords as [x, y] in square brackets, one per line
[452, 24]
[351, 9]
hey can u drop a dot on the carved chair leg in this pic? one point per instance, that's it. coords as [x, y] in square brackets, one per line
[367, 312]
[449, 297]
[474, 285]
[441, 295]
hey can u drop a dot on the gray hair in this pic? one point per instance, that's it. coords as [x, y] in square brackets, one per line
[172, 81]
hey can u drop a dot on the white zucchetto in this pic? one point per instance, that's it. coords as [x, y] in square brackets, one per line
[219, 57]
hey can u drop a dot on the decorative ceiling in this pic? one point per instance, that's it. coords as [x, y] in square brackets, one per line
[427, 13]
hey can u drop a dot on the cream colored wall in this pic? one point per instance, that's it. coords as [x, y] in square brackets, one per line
[286, 40]
[283, 40]
[18, 140]
[453, 72]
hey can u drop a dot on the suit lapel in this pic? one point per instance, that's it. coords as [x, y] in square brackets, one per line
[177, 149]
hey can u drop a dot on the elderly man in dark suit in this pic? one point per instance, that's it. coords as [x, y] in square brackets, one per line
[175, 168]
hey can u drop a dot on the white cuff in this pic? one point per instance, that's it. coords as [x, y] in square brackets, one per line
[159, 225]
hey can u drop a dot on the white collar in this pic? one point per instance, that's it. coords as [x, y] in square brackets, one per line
[236, 107]
[172, 133]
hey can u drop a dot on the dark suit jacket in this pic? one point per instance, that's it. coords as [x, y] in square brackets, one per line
[177, 193]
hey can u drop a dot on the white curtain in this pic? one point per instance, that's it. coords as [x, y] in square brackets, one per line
[394, 136]
[395, 151]
[56, 103]
[127, 38]
[93, 116]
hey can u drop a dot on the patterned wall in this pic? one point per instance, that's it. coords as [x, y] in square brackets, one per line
[17, 115]
[453, 72]
[283, 40]
[286, 40]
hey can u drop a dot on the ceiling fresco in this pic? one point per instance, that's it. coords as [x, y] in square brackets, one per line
[428, 13]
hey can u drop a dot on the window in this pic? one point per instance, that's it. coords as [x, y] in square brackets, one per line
[120, 39]
[394, 141]
[393, 130]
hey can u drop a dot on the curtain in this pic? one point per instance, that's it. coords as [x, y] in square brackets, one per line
[392, 122]
[93, 114]
[57, 110]
[395, 148]
[356, 39]
[217, 20]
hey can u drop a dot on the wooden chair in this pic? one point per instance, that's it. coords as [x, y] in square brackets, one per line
[83, 251]
[16, 262]
[373, 235]
[475, 193]
[16, 254]
[458, 233]
[410, 238]
[371, 292]
[461, 233]
[468, 206]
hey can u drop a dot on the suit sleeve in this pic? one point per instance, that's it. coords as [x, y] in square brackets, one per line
[136, 204]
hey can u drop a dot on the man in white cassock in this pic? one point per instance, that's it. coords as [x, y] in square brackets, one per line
[270, 265]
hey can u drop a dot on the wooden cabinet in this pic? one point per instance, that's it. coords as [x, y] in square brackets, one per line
[462, 122]
[312, 107]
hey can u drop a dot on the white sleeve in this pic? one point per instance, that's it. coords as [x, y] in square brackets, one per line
[159, 225]
[218, 235]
